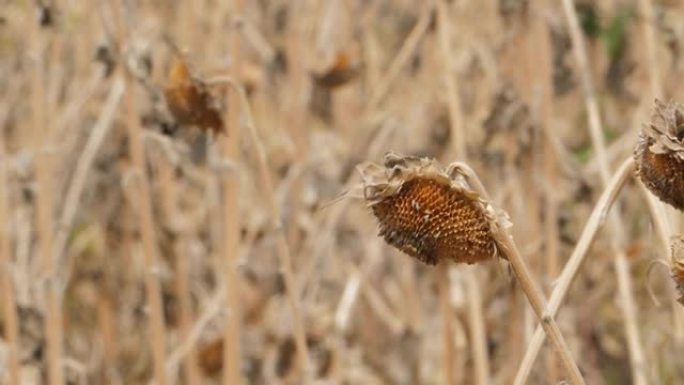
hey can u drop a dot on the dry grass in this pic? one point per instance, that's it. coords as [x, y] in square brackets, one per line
[136, 248]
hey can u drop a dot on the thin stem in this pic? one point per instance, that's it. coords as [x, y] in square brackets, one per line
[404, 55]
[653, 68]
[6, 279]
[44, 211]
[230, 146]
[143, 204]
[629, 309]
[596, 220]
[83, 166]
[282, 247]
[449, 357]
[478, 334]
[532, 292]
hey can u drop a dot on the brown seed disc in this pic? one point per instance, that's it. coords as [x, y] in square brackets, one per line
[432, 222]
[662, 174]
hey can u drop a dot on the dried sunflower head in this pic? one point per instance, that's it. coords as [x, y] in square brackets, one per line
[189, 100]
[341, 72]
[677, 268]
[659, 154]
[429, 212]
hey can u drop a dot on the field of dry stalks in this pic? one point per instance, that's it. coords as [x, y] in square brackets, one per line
[180, 201]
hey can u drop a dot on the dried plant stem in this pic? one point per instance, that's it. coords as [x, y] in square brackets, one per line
[453, 101]
[637, 356]
[458, 145]
[653, 68]
[659, 217]
[532, 292]
[402, 57]
[85, 162]
[213, 308]
[45, 221]
[596, 220]
[11, 328]
[142, 203]
[543, 55]
[478, 334]
[106, 321]
[449, 357]
[144, 211]
[230, 146]
[282, 247]
[168, 194]
[190, 367]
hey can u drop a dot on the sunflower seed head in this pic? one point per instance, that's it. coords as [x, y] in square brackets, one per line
[659, 153]
[427, 213]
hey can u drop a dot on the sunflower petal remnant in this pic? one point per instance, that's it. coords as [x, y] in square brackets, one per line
[659, 154]
[429, 212]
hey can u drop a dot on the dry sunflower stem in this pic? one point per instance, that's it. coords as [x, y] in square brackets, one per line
[677, 266]
[659, 154]
[430, 212]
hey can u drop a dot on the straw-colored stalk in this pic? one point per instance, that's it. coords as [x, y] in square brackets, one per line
[403, 56]
[143, 206]
[449, 357]
[141, 202]
[648, 22]
[458, 145]
[541, 40]
[621, 265]
[282, 248]
[168, 193]
[6, 279]
[571, 269]
[45, 221]
[527, 284]
[230, 146]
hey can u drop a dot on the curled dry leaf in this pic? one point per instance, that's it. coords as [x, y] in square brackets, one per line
[659, 154]
[189, 100]
[429, 212]
[677, 268]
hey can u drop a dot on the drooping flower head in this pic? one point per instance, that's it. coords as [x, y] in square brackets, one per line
[429, 212]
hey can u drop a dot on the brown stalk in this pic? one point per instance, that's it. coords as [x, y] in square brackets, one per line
[143, 205]
[9, 306]
[571, 269]
[168, 193]
[458, 145]
[282, 247]
[230, 147]
[534, 295]
[403, 56]
[44, 210]
[648, 20]
[444, 284]
[621, 265]
[551, 212]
